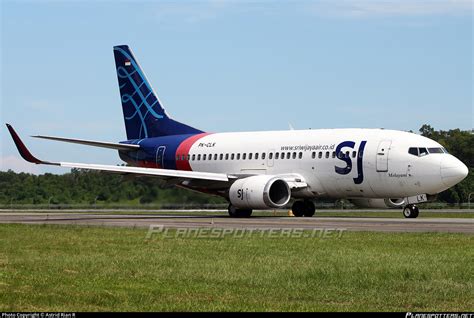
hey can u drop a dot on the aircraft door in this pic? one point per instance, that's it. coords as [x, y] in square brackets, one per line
[160, 156]
[382, 155]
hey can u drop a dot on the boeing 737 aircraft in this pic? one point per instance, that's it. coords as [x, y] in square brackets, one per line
[264, 170]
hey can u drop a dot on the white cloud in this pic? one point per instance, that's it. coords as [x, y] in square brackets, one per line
[199, 11]
[383, 8]
[17, 164]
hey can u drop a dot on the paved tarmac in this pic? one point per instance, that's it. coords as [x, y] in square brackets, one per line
[379, 224]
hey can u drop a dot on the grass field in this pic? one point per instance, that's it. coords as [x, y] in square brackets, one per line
[74, 268]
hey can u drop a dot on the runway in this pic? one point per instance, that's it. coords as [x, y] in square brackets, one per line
[379, 224]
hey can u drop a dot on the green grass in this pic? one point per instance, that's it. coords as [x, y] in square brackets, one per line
[74, 268]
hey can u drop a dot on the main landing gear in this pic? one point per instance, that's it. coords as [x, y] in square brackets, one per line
[410, 211]
[303, 208]
[238, 213]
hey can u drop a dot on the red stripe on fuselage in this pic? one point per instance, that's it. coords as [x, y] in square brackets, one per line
[183, 150]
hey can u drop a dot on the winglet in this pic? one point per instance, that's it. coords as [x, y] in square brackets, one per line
[24, 152]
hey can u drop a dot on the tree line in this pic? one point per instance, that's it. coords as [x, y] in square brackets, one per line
[92, 187]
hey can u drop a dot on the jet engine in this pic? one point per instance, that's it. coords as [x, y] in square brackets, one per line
[379, 203]
[259, 192]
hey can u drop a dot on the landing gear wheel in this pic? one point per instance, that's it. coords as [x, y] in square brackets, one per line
[303, 208]
[411, 211]
[298, 208]
[238, 213]
[309, 208]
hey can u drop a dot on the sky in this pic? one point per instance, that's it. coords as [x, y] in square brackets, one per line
[231, 66]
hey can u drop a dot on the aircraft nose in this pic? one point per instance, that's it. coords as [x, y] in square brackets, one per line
[453, 170]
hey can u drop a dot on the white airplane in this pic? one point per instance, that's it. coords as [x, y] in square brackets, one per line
[264, 170]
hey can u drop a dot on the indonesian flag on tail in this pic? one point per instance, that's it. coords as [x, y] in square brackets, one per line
[128, 63]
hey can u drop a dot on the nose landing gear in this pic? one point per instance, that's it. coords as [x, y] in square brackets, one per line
[410, 211]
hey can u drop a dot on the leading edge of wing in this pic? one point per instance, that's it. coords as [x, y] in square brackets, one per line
[165, 173]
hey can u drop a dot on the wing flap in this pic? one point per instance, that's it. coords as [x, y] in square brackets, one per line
[149, 171]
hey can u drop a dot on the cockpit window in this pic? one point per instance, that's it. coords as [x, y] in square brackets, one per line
[413, 151]
[435, 150]
[445, 150]
[423, 152]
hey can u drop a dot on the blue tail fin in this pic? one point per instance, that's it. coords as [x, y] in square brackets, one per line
[143, 113]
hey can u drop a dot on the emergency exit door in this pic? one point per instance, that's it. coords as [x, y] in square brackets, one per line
[382, 155]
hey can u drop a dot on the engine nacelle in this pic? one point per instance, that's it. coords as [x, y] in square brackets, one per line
[379, 203]
[259, 192]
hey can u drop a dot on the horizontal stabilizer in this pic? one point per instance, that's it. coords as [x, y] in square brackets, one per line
[102, 144]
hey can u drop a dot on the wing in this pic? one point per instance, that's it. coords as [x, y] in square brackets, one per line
[192, 179]
[163, 173]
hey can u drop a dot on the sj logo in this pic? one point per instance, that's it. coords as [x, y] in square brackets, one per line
[240, 194]
[346, 158]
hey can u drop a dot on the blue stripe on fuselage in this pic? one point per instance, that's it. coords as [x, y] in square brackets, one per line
[149, 147]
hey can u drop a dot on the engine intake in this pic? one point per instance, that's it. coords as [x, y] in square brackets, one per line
[259, 192]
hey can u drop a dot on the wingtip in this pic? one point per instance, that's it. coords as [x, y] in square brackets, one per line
[24, 152]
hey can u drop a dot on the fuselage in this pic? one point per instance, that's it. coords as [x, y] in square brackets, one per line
[337, 163]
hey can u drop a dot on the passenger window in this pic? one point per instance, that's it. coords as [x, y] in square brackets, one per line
[288, 155]
[244, 155]
[282, 155]
[313, 155]
[320, 155]
[263, 155]
[250, 156]
[221, 156]
[177, 157]
[270, 155]
[300, 155]
[232, 156]
[347, 154]
[226, 156]
[294, 155]
[334, 154]
[189, 156]
[238, 156]
[204, 157]
[199, 157]
[193, 157]
[256, 156]
[353, 154]
[327, 154]
[413, 151]
[340, 155]
[423, 152]
[277, 154]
